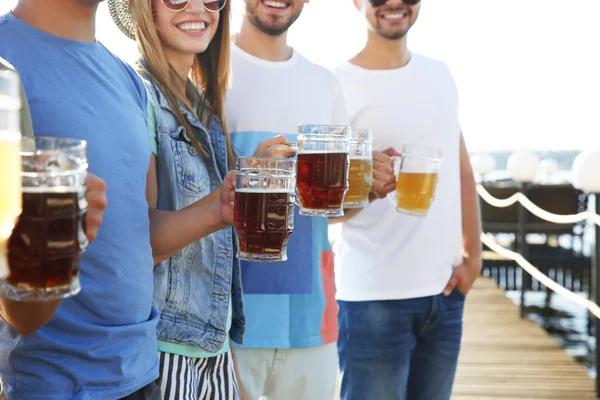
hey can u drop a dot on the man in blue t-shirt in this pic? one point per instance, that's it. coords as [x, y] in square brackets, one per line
[100, 344]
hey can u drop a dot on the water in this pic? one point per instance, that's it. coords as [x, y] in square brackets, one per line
[566, 322]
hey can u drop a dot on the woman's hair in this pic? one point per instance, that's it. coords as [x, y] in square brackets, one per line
[211, 71]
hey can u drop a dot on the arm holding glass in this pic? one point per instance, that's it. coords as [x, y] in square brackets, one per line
[384, 182]
[208, 215]
[37, 275]
[27, 317]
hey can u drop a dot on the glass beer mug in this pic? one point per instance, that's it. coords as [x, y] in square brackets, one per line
[49, 238]
[264, 207]
[10, 162]
[360, 175]
[323, 163]
[416, 170]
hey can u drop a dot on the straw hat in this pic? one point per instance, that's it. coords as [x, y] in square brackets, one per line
[119, 11]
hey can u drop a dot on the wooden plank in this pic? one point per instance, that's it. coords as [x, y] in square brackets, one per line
[504, 357]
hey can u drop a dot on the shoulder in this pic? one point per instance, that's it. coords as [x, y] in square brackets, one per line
[6, 28]
[315, 68]
[346, 72]
[432, 65]
[12, 41]
[318, 74]
[127, 73]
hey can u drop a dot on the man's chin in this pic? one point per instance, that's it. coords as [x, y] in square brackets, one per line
[270, 28]
[393, 35]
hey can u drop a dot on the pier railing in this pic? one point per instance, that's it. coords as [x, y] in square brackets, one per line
[520, 254]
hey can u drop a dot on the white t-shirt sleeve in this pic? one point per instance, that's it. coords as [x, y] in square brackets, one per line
[340, 112]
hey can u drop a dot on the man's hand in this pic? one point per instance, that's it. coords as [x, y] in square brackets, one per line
[463, 277]
[384, 180]
[276, 147]
[96, 199]
[227, 197]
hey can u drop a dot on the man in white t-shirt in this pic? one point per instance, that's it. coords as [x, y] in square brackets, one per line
[289, 350]
[401, 279]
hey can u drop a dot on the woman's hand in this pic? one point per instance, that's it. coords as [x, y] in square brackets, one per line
[226, 198]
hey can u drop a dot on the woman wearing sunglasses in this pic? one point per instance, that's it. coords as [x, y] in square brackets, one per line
[184, 47]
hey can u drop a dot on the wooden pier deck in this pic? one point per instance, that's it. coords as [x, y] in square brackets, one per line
[505, 357]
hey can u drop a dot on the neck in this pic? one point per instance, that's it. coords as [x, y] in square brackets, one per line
[382, 53]
[69, 19]
[259, 44]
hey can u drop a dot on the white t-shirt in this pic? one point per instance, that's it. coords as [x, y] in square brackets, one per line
[381, 254]
[283, 93]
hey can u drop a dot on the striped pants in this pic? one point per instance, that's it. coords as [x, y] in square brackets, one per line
[185, 378]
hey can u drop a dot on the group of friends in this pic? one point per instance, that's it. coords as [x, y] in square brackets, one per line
[166, 310]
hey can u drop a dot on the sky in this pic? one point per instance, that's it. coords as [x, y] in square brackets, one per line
[528, 73]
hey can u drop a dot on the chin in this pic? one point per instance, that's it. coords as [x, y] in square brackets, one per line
[195, 48]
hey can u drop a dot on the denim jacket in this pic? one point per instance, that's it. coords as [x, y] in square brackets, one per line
[192, 289]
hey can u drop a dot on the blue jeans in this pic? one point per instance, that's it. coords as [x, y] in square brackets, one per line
[400, 349]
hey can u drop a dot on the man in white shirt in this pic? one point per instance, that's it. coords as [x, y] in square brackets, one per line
[402, 279]
[289, 349]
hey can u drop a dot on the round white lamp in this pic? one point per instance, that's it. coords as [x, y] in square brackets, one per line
[549, 166]
[523, 166]
[483, 163]
[585, 171]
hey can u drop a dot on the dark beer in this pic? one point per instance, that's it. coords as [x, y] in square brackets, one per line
[263, 221]
[322, 180]
[48, 240]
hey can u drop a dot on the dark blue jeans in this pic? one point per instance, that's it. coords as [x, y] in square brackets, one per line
[400, 349]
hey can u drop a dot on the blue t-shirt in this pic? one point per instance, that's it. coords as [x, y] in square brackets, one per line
[102, 343]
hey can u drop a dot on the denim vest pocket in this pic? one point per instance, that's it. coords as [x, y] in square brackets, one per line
[190, 174]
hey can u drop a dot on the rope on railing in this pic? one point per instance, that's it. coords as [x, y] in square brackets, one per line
[535, 210]
[537, 274]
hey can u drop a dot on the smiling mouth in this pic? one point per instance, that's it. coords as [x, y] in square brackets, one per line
[192, 26]
[275, 4]
[394, 16]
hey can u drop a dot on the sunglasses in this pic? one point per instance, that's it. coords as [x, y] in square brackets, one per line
[379, 3]
[180, 5]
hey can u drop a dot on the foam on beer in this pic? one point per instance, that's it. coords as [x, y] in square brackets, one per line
[53, 189]
[321, 152]
[264, 190]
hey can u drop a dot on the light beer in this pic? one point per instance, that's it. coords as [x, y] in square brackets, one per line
[10, 190]
[263, 221]
[322, 179]
[415, 191]
[360, 180]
